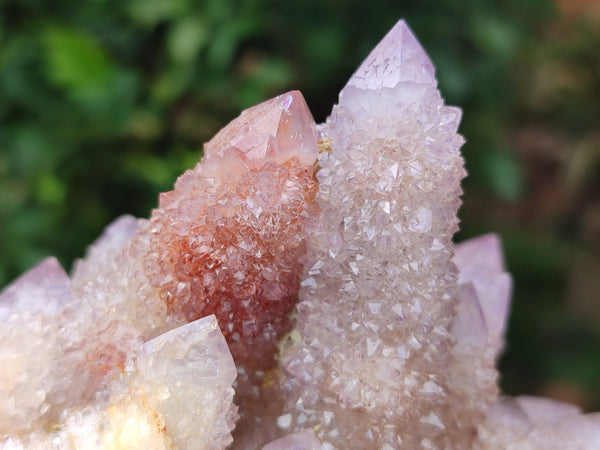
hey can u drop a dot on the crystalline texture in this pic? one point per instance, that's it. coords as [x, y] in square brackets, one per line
[480, 262]
[56, 351]
[397, 58]
[36, 381]
[225, 241]
[184, 374]
[238, 222]
[106, 249]
[278, 129]
[398, 331]
[302, 440]
[478, 327]
[380, 290]
[176, 394]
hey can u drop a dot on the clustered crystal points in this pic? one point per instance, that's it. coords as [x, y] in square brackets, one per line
[298, 289]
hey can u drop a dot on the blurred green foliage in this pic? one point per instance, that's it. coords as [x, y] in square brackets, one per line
[103, 103]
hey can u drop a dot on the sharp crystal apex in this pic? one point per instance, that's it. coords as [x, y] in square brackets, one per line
[398, 58]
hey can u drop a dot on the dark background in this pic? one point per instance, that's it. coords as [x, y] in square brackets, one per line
[103, 103]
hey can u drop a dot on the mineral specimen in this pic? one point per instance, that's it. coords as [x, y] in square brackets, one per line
[226, 240]
[176, 393]
[397, 330]
[380, 291]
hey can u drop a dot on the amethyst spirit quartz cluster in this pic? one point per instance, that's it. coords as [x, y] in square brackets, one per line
[298, 289]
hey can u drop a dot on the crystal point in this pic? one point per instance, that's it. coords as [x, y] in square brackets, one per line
[47, 285]
[479, 257]
[193, 365]
[34, 380]
[176, 393]
[480, 262]
[239, 218]
[537, 423]
[398, 58]
[278, 129]
[469, 325]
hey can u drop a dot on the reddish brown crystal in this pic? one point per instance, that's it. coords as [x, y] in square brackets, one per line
[229, 237]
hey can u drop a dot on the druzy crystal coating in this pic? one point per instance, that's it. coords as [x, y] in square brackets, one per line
[239, 221]
[379, 295]
[311, 270]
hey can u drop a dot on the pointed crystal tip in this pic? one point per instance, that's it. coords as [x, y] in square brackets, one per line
[398, 58]
[280, 128]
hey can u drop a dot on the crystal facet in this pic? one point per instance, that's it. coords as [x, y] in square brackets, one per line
[480, 262]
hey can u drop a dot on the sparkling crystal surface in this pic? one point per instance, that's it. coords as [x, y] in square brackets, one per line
[228, 238]
[397, 329]
[397, 58]
[226, 241]
[301, 440]
[380, 290]
[36, 381]
[177, 393]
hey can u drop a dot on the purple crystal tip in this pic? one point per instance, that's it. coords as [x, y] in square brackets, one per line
[399, 57]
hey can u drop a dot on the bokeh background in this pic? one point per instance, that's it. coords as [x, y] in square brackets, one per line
[103, 103]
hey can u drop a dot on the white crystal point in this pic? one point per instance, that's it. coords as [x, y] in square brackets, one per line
[545, 410]
[186, 375]
[301, 440]
[177, 394]
[397, 58]
[480, 257]
[481, 263]
[28, 291]
[478, 326]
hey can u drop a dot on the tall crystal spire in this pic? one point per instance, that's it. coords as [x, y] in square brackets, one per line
[380, 290]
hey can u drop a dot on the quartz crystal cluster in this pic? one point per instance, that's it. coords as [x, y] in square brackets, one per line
[225, 244]
[298, 290]
[380, 294]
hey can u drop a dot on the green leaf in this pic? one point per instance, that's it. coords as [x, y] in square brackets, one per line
[186, 39]
[76, 60]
